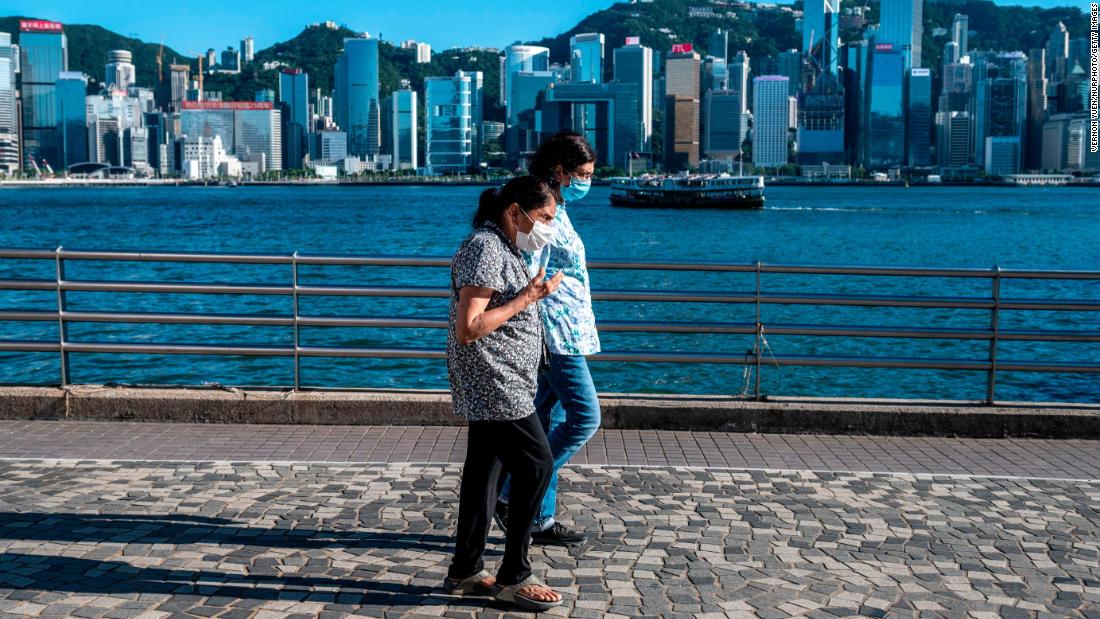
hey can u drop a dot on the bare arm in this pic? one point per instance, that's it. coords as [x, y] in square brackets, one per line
[475, 322]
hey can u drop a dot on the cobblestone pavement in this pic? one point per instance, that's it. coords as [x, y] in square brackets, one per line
[113, 538]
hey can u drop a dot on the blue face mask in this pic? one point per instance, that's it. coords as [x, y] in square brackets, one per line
[576, 190]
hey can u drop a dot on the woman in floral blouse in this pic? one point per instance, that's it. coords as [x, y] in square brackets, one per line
[566, 401]
[494, 350]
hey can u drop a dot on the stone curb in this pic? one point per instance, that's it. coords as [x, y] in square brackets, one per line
[622, 411]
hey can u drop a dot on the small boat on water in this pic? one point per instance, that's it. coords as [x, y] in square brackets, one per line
[689, 191]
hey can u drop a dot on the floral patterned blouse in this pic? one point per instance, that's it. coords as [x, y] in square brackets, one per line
[567, 317]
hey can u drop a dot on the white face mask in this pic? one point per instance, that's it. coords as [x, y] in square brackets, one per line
[537, 238]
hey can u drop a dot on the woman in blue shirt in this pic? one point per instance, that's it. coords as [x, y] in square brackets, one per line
[566, 401]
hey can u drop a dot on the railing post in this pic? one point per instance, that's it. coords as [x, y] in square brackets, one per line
[994, 323]
[294, 284]
[759, 334]
[62, 329]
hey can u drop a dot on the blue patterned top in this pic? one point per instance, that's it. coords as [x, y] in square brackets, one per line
[570, 325]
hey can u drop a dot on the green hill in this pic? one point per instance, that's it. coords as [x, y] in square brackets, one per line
[88, 47]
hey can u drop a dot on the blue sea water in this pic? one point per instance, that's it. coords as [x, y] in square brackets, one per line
[1033, 228]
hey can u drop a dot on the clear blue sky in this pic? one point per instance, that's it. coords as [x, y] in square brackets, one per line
[196, 26]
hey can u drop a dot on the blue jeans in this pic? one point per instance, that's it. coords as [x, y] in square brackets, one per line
[567, 405]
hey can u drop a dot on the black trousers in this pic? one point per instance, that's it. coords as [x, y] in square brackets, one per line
[520, 447]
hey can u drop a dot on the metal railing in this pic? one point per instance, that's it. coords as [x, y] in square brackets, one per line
[994, 304]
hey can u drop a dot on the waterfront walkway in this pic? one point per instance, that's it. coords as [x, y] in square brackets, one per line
[119, 520]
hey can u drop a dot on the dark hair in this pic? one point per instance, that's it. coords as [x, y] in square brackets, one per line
[568, 149]
[529, 192]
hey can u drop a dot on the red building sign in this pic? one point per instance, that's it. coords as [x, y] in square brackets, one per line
[227, 105]
[682, 48]
[39, 25]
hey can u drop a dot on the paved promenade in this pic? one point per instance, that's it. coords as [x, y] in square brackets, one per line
[172, 520]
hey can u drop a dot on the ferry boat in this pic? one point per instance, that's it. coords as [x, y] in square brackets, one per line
[691, 191]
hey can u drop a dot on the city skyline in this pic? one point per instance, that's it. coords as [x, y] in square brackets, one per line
[483, 23]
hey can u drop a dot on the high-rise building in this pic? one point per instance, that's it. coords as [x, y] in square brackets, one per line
[586, 57]
[72, 118]
[119, 71]
[180, 82]
[960, 34]
[211, 59]
[357, 106]
[820, 128]
[821, 32]
[886, 107]
[634, 65]
[901, 25]
[248, 50]
[1002, 155]
[43, 56]
[1036, 108]
[403, 127]
[328, 146]
[517, 59]
[771, 115]
[156, 127]
[605, 114]
[918, 119]
[954, 142]
[477, 111]
[1000, 108]
[856, 60]
[521, 134]
[727, 124]
[790, 63]
[9, 107]
[448, 105]
[248, 129]
[718, 43]
[231, 60]
[294, 96]
[1058, 53]
[682, 122]
[1065, 143]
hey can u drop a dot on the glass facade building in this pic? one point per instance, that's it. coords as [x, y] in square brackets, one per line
[357, 106]
[607, 115]
[918, 141]
[634, 65]
[586, 53]
[821, 32]
[449, 123]
[43, 56]
[886, 108]
[771, 109]
[900, 25]
[294, 95]
[72, 119]
[404, 129]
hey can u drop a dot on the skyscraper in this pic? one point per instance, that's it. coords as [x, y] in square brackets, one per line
[1036, 108]
[248, 50]
[821, 32]
[886, 108]
[119, 71]
[682, 88]
[519, 58]
[605, 114]
[771, 111]
[294, 96]
[718, 43]
[449, 124]
[248, 129]
[724, 126]
[179, 83]
[477, 111]
[403, 127]
[634, 65]
[901, 25]
[72, 118]
[1000, 110]
[918, 118]
[856, 60]
[960, 34]
[357, 106]
[9, 108]
[586, 56]
[1057, 53]
[44, 55]
[789, 63]
[820, 133]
